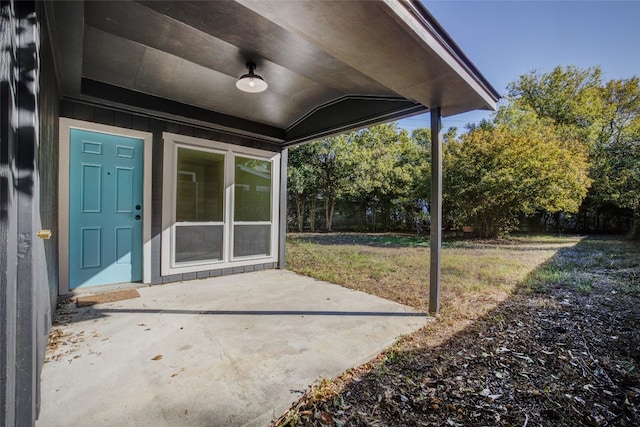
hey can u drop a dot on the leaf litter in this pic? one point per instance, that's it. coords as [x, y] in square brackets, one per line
[557, 355]
[63, 344]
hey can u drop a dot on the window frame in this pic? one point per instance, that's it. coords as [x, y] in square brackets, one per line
[169, 200]
[175, 224]
[272, 216]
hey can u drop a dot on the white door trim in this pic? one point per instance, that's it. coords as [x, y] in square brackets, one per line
[63, 194]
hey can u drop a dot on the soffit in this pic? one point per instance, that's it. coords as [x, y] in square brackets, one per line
[331, 66]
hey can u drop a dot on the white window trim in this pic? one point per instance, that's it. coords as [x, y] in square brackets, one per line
[63, 194]
[172, 214]
[171, 141]
[274, 210]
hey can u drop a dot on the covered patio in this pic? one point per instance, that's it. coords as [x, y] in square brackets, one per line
[153, 84]
[227, 351]
[324, 68]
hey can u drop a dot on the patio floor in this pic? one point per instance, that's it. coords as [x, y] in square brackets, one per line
[227, 351]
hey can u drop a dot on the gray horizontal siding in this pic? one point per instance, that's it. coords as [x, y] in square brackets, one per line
[217, 273]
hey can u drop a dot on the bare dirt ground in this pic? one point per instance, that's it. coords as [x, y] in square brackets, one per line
[562, 350]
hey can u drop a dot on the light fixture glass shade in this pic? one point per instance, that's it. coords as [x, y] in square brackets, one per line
[251, 82]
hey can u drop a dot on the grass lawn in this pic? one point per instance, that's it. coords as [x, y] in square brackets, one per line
[534, 330]
[476, 275]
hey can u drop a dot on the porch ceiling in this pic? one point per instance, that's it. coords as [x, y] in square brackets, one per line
[331, 66]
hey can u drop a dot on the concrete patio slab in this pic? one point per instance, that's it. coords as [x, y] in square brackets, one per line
[227, 351]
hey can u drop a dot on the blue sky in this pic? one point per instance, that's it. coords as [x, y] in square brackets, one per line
[506, 39]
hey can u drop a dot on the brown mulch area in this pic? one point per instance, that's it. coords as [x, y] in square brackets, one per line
[565, 357]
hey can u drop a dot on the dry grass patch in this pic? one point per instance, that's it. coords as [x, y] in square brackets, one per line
[476, 275]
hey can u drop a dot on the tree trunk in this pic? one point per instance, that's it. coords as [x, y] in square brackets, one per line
[312, 214]
[635, 227]
[300, 212]
[327, 226]
[331, 212]
[329, 204]
[374, 210]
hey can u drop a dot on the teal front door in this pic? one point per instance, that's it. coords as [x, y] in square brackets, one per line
[105, 209]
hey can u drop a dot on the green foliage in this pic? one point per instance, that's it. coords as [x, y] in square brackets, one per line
[379, 173]
[556, 138]
[605, 117]
[616, 157]
[333, 161]
[302, 182]
[318, 170]
[492, 175]
[569, 96]
[389, 171]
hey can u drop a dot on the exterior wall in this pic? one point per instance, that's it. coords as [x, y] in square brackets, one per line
[8, 219]
[29, 147]
[129, 120]
[48, 159]
[25, 262]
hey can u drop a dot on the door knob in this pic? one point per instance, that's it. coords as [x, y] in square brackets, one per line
[138, 217]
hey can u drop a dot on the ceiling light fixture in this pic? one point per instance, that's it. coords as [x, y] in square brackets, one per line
[251, 82]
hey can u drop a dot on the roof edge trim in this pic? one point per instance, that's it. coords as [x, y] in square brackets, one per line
[429, 22]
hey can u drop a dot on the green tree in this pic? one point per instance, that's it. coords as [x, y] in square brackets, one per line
[302, 184]
[570, 96]
[616, 158]
[332, 162]
[388, 170]
[492, 175]
[418, 155]
[318, 170]
[604, 117]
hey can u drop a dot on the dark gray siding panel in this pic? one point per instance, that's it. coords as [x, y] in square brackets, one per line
[28, 204]
[85, 112]
[104, 116]
[203, 274]
[45, 200]
[282, 225]
[190, 276]
[8, 220]
[172, 278]
[32, 290]
[48, 160]
[156, 199]
[122, 120]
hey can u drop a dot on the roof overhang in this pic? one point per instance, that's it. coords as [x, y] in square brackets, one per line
[331, 66]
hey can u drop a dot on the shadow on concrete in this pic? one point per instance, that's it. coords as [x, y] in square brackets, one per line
[262, 312]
